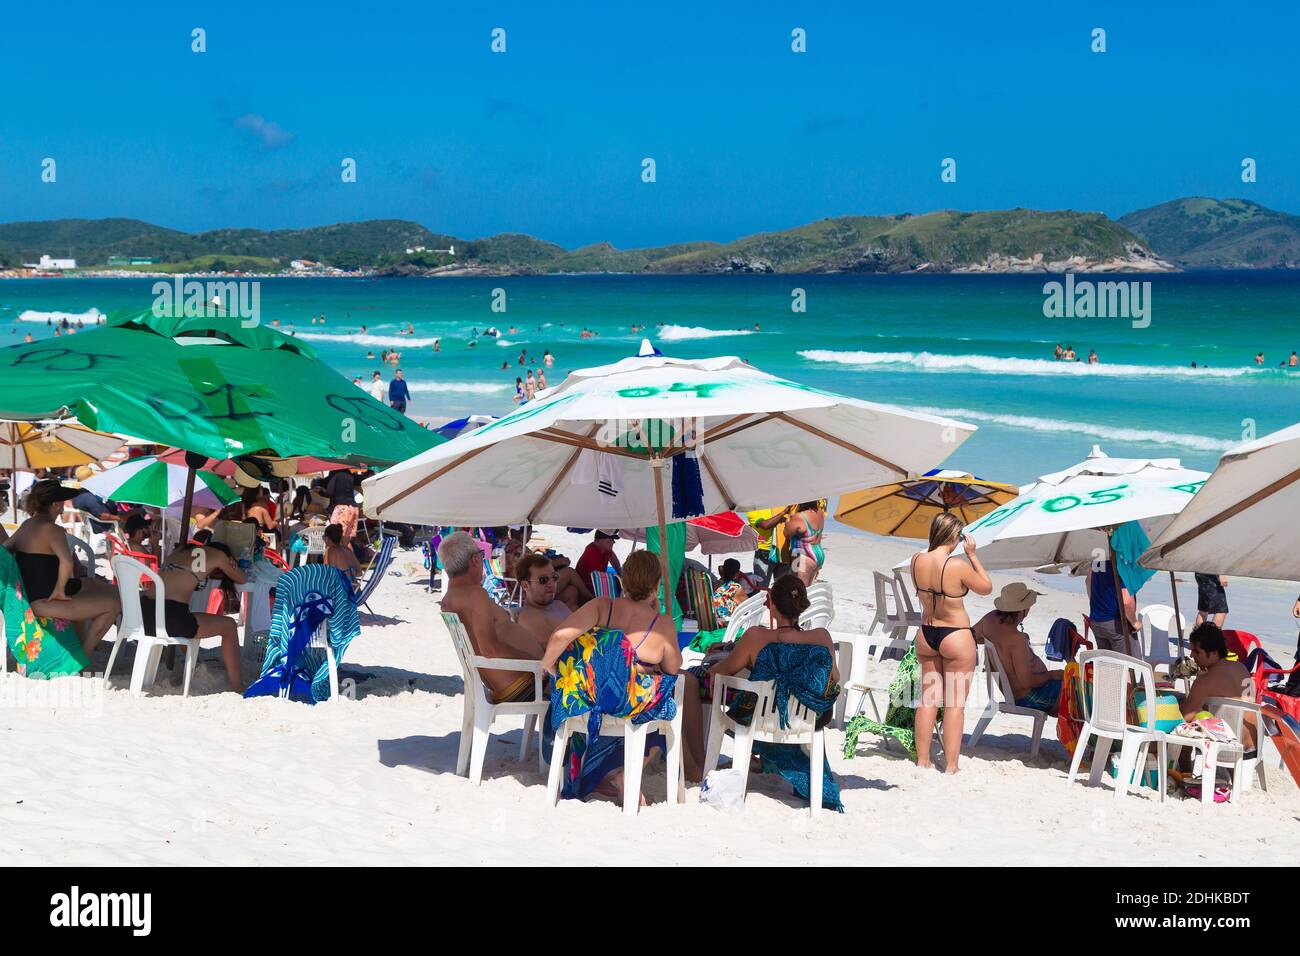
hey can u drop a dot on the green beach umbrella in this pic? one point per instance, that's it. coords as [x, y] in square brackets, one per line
[148, 481]
[207, 384]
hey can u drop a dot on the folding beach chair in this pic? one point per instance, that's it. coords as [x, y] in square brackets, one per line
[606, 584]
[699, 591]
[378, 568]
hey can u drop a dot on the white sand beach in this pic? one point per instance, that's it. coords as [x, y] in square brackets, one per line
[215, 779]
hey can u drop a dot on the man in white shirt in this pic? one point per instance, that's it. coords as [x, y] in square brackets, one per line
[376, 387]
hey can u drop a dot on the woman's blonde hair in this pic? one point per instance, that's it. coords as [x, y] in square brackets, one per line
[641, 575]
[944, 528]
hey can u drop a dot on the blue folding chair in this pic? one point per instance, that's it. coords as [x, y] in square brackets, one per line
[378, 568]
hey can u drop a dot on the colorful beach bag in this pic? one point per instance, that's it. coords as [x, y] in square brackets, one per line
[42, 646]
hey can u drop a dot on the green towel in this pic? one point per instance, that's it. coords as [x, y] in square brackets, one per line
[42, 646]
[900, 718]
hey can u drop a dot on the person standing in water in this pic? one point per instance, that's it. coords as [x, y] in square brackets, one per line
[945, 648]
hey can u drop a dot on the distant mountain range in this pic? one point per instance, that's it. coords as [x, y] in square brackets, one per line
[1184, 233]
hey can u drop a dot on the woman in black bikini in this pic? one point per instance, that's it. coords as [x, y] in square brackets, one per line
[40, 547]
[182, 572]
[945, 648]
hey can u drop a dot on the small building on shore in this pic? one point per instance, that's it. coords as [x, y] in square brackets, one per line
[49, 264]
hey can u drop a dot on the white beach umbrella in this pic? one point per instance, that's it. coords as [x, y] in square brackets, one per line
[1068, 517]
[1243, 520]
[760, 440]
[1061, 518]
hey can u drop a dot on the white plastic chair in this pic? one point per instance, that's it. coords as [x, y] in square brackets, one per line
[863, 648]
[320, 639]
[765, 726]
[820, 613]
[83, 552]
[634, 740]
[481, 711]
[996, 683]
[1211, 755]
[1156, 632]
[315, 538]
[130, 626]
[747, 614]
[894, 623]
[1108, 721]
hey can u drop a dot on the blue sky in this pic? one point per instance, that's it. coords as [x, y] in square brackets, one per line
[548, 138]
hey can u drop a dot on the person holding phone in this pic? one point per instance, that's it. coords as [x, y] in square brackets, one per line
[945, 648]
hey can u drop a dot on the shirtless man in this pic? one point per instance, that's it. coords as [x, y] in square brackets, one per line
[490, 629]
[1220, 677]
[541, 613]
[1031, 682]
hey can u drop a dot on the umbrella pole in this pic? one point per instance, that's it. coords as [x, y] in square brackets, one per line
[1119, 595]
[656, 464]
[1178, 616]
[187, 507]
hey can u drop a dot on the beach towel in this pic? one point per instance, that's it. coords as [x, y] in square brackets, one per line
[676, 535]
[42, 646]
[596, 678]
[1063, 640]
[900, 718]
[801, 671]
[1076, 698]
[304, 597]
[1129, 541]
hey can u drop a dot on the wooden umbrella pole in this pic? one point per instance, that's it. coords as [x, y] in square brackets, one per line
[657, 464]
[186, 508]
[1119, 594]
[1178, 616]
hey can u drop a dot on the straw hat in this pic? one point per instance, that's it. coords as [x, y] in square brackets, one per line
[84, 472]
[1016, 596]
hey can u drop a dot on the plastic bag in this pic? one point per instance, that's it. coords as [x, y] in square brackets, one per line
[722, 790]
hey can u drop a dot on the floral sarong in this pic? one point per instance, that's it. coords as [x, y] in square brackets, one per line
[595, 677]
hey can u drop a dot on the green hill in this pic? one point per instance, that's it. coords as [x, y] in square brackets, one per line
[1008, 240]
[1219, 233]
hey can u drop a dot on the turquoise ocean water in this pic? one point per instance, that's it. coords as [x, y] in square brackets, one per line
[973, 347]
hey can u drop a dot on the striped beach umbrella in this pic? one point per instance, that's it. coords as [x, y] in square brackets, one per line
[148, 481]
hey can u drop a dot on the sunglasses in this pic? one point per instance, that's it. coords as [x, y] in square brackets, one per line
[546, 579]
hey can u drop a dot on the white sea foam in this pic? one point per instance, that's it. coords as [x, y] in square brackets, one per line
[992, 364]
[90, 316]
[679, 333]
[471, 388]
[1104, 432]
[366, 338]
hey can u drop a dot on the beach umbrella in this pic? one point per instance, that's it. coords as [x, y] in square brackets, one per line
[905, 508]
[593, 450]
[31, 446]
[218, 386]
[209, 384]
[149, 481]
[282, 467]
[1070, 517]
[709, 535]
[1243, 520]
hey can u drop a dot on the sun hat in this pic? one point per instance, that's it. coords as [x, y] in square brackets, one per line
[1016, 596]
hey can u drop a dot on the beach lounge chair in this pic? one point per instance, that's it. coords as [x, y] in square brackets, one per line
[1107, 720]
[1157, 632]
[606, 584]
[131, 627]
[634, 744]
[376, 571]
[481, 711]
[997, 684]
[765, 726]
[699, 590]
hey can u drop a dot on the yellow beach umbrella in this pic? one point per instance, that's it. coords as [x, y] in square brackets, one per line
[904, 509]
[31, 446]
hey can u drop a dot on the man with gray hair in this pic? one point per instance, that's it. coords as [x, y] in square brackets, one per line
[490, 628]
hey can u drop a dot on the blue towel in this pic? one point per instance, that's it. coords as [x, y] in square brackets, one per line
[804, 671]
[1059, 640]
[305, 596]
